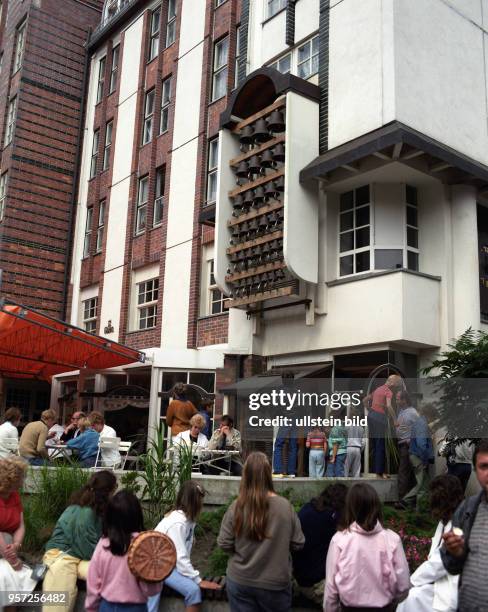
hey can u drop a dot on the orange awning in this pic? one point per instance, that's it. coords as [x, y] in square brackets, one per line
[34, 345]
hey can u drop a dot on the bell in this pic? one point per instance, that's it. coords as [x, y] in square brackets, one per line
[279, 153]
[234, 258]
[263, 222]
[253, 226]
[273, 219]
[243, 229]
[235, 231]
[254, 166]
[258, 252]
[258, 196]
[242, 170]
[280, 184]
[261, 132]
[246, 136]
[238, 202]
[267, 160]
[271, 192]
[248, 198]
[276, 122]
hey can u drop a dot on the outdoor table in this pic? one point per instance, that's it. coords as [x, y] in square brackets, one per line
[62, 451]
[206, 457]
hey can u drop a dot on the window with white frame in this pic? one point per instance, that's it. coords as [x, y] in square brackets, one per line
[90, 308]
[114, 70]
[20, 46]
[308, 58]
[148, 117]
[3, 193]
[221, 56]
[238, 53]
[412, 224]
[171, 23]
[88, 232]
[216, 298]
[94, 155]
[11, 113]
[159, 196]
[142, 198]
[355, 231]
[108, 144]
[212, 170]
[147, 303]
[283, 64]
[274, 6]
[101, 225]
[165, 102]
[154, 34]
[101, 78]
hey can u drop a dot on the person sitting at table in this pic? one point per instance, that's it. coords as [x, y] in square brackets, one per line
[32, 445]
[8, 430]
[53, 438]
[110, 456]
[86, 444]
[191, 438]
[72, 430]
[226, 437]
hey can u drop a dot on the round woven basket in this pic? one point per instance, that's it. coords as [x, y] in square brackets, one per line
[151, 556]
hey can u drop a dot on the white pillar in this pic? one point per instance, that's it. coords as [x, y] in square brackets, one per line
[465, 263]
[154, 416]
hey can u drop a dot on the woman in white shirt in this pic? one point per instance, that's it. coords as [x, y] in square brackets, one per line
[8, 431]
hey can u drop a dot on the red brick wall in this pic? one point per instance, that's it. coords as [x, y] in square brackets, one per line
[213, 330]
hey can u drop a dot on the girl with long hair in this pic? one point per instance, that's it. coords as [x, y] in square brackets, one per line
[179, 526]
[259, 531]
[366, 566]
[75, 536]
[111, 585]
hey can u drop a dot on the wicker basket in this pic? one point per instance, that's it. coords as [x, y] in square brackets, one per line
[151, 556]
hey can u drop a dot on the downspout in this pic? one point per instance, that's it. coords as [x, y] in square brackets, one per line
[76, 178]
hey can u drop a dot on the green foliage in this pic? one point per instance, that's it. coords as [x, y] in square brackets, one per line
[128, 481]
[217, 562]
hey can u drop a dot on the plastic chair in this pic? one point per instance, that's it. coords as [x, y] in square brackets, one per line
[106, 444]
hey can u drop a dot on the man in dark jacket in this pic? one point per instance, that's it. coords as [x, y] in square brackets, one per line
[464, 549]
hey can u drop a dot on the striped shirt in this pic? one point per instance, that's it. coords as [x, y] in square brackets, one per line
[473, 590]
[316, 440]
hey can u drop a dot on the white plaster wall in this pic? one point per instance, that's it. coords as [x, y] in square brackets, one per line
[273, 37]
[131, 60]
[389, 215]
[176, 296]
[188, 85]
[307, 15]
[110, 308]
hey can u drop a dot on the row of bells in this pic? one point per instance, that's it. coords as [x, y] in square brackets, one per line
[258, 164]
[255, 198]
[261, 282]
[256, 256]
[262, 130]
[273, 222]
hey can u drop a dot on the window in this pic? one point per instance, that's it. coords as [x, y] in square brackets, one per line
[238, 53]
[219, 2]
[108, 144]
[9, 131]
[221, 54]
[19, 46]
[308, 58]
[283, 64]
[212, 170]
[147, 303]
[159, 196]
[354, 231]
[101, 224]
[90, 315]
[171, 25]
[3, 193]
[94, 157]
[165, 102]
[275, 6]
[148, 117]
[101, 78]
[142, 197]
[154, 34]
[215, 296]
[412, 227]
[88, 231]
[115, 68]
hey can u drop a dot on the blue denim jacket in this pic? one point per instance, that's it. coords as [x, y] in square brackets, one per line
[421, 441]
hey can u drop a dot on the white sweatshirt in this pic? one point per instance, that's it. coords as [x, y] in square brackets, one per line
[181, 531]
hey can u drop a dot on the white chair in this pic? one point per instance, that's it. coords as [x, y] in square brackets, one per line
[11, 445]
[124, 448]
[106, 444]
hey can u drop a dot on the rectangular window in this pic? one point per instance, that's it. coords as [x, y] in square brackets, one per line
[101, 78]
[154, 34]
[115, 69]
[215, 296]
[159, 196]
[108, 144]
[147, 303]
[219, 2]
[90, 308]
[142, 198]
[412, 225]
[88, 231]
[171, 25]
[3, 193]
[165, 102]
[20, 46]
[221, 55]
[354, 231]
[12, 111]
[212, 170]
[94, 156]
[308, 58]
[148, 117]
[275, 6]
[101, 225]
[283, 64]
[238, 53]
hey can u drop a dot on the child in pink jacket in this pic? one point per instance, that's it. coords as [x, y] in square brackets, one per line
[366, 567]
